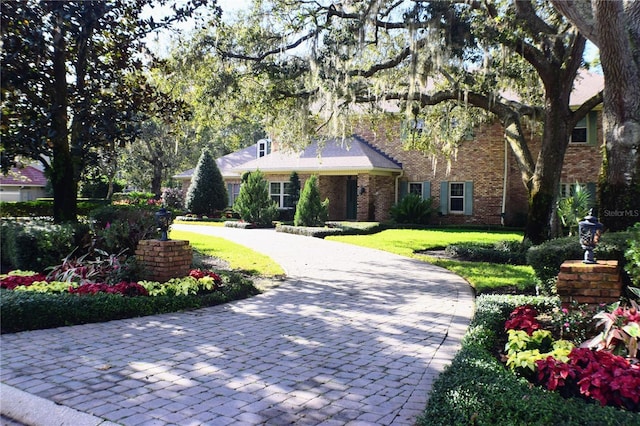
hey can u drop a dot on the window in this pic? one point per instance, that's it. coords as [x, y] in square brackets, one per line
[264, 147]
[415, 188]
[233, 190]
[579, 133]
[456, 197]
[279, 192]
[569, 190]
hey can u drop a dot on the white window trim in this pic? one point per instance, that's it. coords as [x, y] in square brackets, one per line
[415, 183]
[282, 195]
[461, 197]
[264, 147]
[582, 124]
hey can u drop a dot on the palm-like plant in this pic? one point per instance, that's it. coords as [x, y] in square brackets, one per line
[574, 208]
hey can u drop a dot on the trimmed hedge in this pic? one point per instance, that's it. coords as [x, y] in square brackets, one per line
[506, 252]
[476, 389]
[44, 208]
[332, 228]
[23, 311]
[547, 257]
[38, 244]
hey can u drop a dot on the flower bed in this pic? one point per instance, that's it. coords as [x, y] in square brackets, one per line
[592, 372]
[29, 302]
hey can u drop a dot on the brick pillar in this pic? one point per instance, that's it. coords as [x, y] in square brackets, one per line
[163, 260]
[589, 283]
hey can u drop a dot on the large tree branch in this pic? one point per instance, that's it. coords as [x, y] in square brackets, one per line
[580, 14]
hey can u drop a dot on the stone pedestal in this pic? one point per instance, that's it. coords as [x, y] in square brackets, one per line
[163, 260]
[589, 283]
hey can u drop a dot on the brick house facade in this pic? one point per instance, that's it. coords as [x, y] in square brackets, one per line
[365, 175]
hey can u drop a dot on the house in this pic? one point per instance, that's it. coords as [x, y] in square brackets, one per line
[365, 174]
[23, 184]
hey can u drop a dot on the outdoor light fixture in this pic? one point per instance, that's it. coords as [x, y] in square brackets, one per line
[589, 231]
[362, 190]
[162, 220]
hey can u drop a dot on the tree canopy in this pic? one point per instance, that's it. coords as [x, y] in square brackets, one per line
[72, 84]
[450, 63]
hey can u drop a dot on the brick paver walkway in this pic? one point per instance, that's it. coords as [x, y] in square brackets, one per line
[353, 336]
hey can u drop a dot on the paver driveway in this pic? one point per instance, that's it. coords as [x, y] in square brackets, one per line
[353, 336]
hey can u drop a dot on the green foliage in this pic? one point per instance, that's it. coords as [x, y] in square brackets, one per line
[43, 208]
[99, 188]
[547, 257]
[509, 252]
[413, 209]
[574, 208]
[311, 210]
[253, 203]
[32, 311]
[119, 228]
[293, 190]
[477, 389]
[633, 255]
[173, 198]
[207, 192]
[38, 244]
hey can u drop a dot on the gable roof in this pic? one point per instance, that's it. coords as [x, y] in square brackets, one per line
[23, 176]
[352, 154]
[227, 163]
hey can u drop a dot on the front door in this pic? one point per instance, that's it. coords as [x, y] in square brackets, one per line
[352, 198]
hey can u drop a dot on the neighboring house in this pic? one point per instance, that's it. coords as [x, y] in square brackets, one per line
[364, 175]
[23, 184]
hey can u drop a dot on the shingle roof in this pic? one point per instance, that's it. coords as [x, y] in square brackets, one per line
[24, 176]
[227, 163]
[352, 154]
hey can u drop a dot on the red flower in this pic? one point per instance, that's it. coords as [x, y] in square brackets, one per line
[12, 281]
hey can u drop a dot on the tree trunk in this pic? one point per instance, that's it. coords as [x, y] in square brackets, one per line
[65, 187]
[620, 179]
[545, 181]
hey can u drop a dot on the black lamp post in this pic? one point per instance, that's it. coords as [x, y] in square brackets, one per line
[589, 231]
[162, 220]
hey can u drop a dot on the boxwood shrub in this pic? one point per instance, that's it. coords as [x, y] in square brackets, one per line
[37, 244]
[476, 389]
[547, 257]
[23, 311]
[506, 252]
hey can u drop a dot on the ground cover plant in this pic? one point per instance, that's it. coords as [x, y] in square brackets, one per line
[478, 389]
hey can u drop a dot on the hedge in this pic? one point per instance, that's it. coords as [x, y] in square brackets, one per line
[23, 311]
[476, 389]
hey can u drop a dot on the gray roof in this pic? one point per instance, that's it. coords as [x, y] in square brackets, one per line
[227, 163]
[352, 154]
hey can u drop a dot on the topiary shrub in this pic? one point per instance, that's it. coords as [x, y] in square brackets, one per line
[413, 209]
[253, 203]
[207, 192]
[311, 211]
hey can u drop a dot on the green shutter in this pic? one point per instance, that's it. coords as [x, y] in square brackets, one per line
[404, 189]
[444, 197]
[468, 198]
[426, 190]
[592, 128]
[229, 194]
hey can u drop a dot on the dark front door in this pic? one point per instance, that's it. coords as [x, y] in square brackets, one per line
[352, 198]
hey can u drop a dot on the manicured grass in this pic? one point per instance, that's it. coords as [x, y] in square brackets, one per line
[239, 257]
[484, 277]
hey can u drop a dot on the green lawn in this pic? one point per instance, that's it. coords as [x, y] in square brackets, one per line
[239, 257]
[484, 277]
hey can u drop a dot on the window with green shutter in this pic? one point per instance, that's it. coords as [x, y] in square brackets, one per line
[456, 198]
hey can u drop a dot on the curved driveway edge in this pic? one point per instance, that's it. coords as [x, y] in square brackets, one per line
[353, 336]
